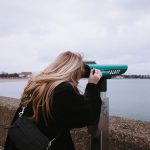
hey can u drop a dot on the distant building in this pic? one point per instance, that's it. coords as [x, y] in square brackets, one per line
[25, 74]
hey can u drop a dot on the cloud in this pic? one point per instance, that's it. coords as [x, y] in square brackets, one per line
[33, 33]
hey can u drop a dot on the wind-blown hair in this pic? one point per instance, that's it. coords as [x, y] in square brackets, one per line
[39, 90]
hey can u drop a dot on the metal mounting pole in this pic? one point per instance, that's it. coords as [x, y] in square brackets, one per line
[100, 132]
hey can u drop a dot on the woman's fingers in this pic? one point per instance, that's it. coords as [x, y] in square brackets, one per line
[95, 76]
[98, 73]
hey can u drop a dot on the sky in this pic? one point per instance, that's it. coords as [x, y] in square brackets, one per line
[34, 32]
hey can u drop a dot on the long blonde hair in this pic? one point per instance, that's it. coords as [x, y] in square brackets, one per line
[40, 88]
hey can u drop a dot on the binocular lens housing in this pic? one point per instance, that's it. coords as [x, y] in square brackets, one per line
[107, 70]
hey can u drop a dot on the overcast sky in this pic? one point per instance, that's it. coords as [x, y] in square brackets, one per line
[34, 32]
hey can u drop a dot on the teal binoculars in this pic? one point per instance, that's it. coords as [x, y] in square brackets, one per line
[107, 70]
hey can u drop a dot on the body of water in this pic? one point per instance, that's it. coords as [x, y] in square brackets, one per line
[127, 97]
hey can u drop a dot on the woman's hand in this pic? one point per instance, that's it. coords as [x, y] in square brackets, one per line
[95, 76]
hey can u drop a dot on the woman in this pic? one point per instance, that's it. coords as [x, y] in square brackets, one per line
[54, 103]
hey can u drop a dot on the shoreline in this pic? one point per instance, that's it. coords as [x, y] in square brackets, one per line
[23, 79]
[12, 79]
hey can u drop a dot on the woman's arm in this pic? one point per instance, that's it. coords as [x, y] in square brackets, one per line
[73, 110]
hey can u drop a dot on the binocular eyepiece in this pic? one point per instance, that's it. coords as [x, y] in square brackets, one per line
[107, 70]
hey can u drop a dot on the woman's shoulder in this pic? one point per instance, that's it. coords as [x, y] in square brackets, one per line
[64, 86]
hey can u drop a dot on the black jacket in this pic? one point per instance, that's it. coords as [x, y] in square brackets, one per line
[71, 110]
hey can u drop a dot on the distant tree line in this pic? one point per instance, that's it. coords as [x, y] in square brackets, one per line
[9, 75]
[136, 76]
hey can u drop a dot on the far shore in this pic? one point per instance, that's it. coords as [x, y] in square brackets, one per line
[12, 79]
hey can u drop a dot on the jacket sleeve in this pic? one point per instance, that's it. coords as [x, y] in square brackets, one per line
[73, 110]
